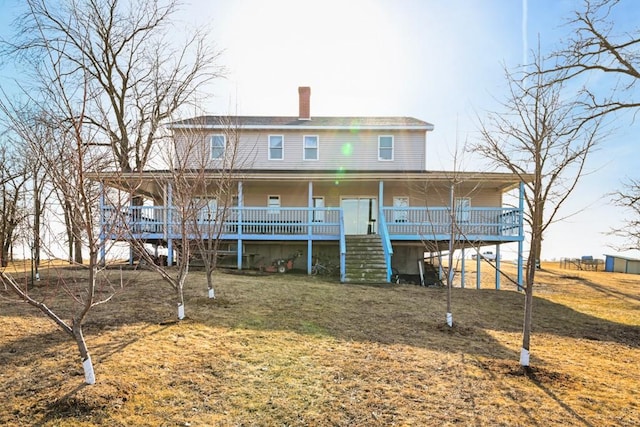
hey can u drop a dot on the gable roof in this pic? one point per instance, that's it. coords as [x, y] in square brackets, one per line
[315, 123]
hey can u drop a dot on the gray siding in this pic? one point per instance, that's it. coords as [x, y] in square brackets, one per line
[338, 149]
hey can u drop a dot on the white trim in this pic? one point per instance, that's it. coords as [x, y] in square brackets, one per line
[305, 127]
[304, 148]
[269, 147]
[393, 148]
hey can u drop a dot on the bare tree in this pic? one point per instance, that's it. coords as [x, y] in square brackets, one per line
[121, 56]
[540, 131]
[600, 47]
[629, 199]
[64, 119]
[13, 180]
[218, 188]
[83, 294]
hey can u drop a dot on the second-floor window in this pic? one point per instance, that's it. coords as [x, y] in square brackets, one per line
[310, 147]
[385, 147]
[276, 147]
[218, 144]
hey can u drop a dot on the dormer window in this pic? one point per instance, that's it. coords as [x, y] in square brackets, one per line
[218, 145]
[385, 147]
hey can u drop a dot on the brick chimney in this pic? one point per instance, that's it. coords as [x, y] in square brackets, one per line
[304, 93]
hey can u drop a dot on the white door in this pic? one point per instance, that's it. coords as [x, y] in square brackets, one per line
[359, 214]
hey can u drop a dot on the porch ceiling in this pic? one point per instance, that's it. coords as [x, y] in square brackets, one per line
[152, 182]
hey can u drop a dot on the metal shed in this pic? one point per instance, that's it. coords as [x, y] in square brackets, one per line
[621, 264]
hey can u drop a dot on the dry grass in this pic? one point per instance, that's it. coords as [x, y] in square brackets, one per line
[294, 350]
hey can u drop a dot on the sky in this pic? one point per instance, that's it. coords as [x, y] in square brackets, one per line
[438, 61]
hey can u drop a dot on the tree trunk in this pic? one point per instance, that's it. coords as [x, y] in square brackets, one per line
[87, 365]
[77, 239]
[68, 229]
[211, 291]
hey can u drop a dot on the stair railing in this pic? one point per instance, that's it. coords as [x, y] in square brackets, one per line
[386, 243]
[343, 250]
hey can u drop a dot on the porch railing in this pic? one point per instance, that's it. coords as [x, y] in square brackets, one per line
[469, 222]
[394, 222]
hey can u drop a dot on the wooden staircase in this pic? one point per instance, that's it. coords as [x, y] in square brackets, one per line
[365, 261]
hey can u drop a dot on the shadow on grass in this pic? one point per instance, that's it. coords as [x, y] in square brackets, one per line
[408, 315]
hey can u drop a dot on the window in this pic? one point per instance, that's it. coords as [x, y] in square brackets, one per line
[218, 144]
[273, 203]
[310, 147]
[276, 147]
[318, 215]
[385, 147]
[463, 205]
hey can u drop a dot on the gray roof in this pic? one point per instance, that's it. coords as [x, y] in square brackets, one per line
[279, 122]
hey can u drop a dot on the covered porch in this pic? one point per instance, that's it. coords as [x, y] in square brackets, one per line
[324, 208]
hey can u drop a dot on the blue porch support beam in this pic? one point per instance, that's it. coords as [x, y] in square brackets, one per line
[383, 232]
[132, 225]
[102, 243]
[478, 261]
[520, 235]
[462, 266]
[169, 226]
[240, 206]
[498, 267]
[310, 228]
[343, 249]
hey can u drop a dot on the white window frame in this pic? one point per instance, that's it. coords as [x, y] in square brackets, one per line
[304, 147]
[224, 146]
[462, 209]
[380, 158]
[273, 208]
[269, 147]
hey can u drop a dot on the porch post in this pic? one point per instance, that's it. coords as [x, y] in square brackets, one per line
[498, 267]
[520, 235]
[462, 269]
[310, 228]
[102, 243]
[133, 226]
[169, 225]
[240, 206]
[478, 261]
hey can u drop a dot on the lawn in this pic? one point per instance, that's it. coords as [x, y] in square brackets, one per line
[292, 350]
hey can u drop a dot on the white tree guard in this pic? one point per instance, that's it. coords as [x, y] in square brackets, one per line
[450, 319]
[180, 311]
[212, 294]
[89, 375]
[524, 357]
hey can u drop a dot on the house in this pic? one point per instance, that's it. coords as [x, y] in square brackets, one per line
[350, 189]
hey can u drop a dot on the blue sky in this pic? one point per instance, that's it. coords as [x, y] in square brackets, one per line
[439, 61]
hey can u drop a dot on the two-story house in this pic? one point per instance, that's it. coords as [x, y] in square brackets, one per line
[327, 187]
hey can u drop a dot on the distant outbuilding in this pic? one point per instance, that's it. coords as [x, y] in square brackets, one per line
[621, 264]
